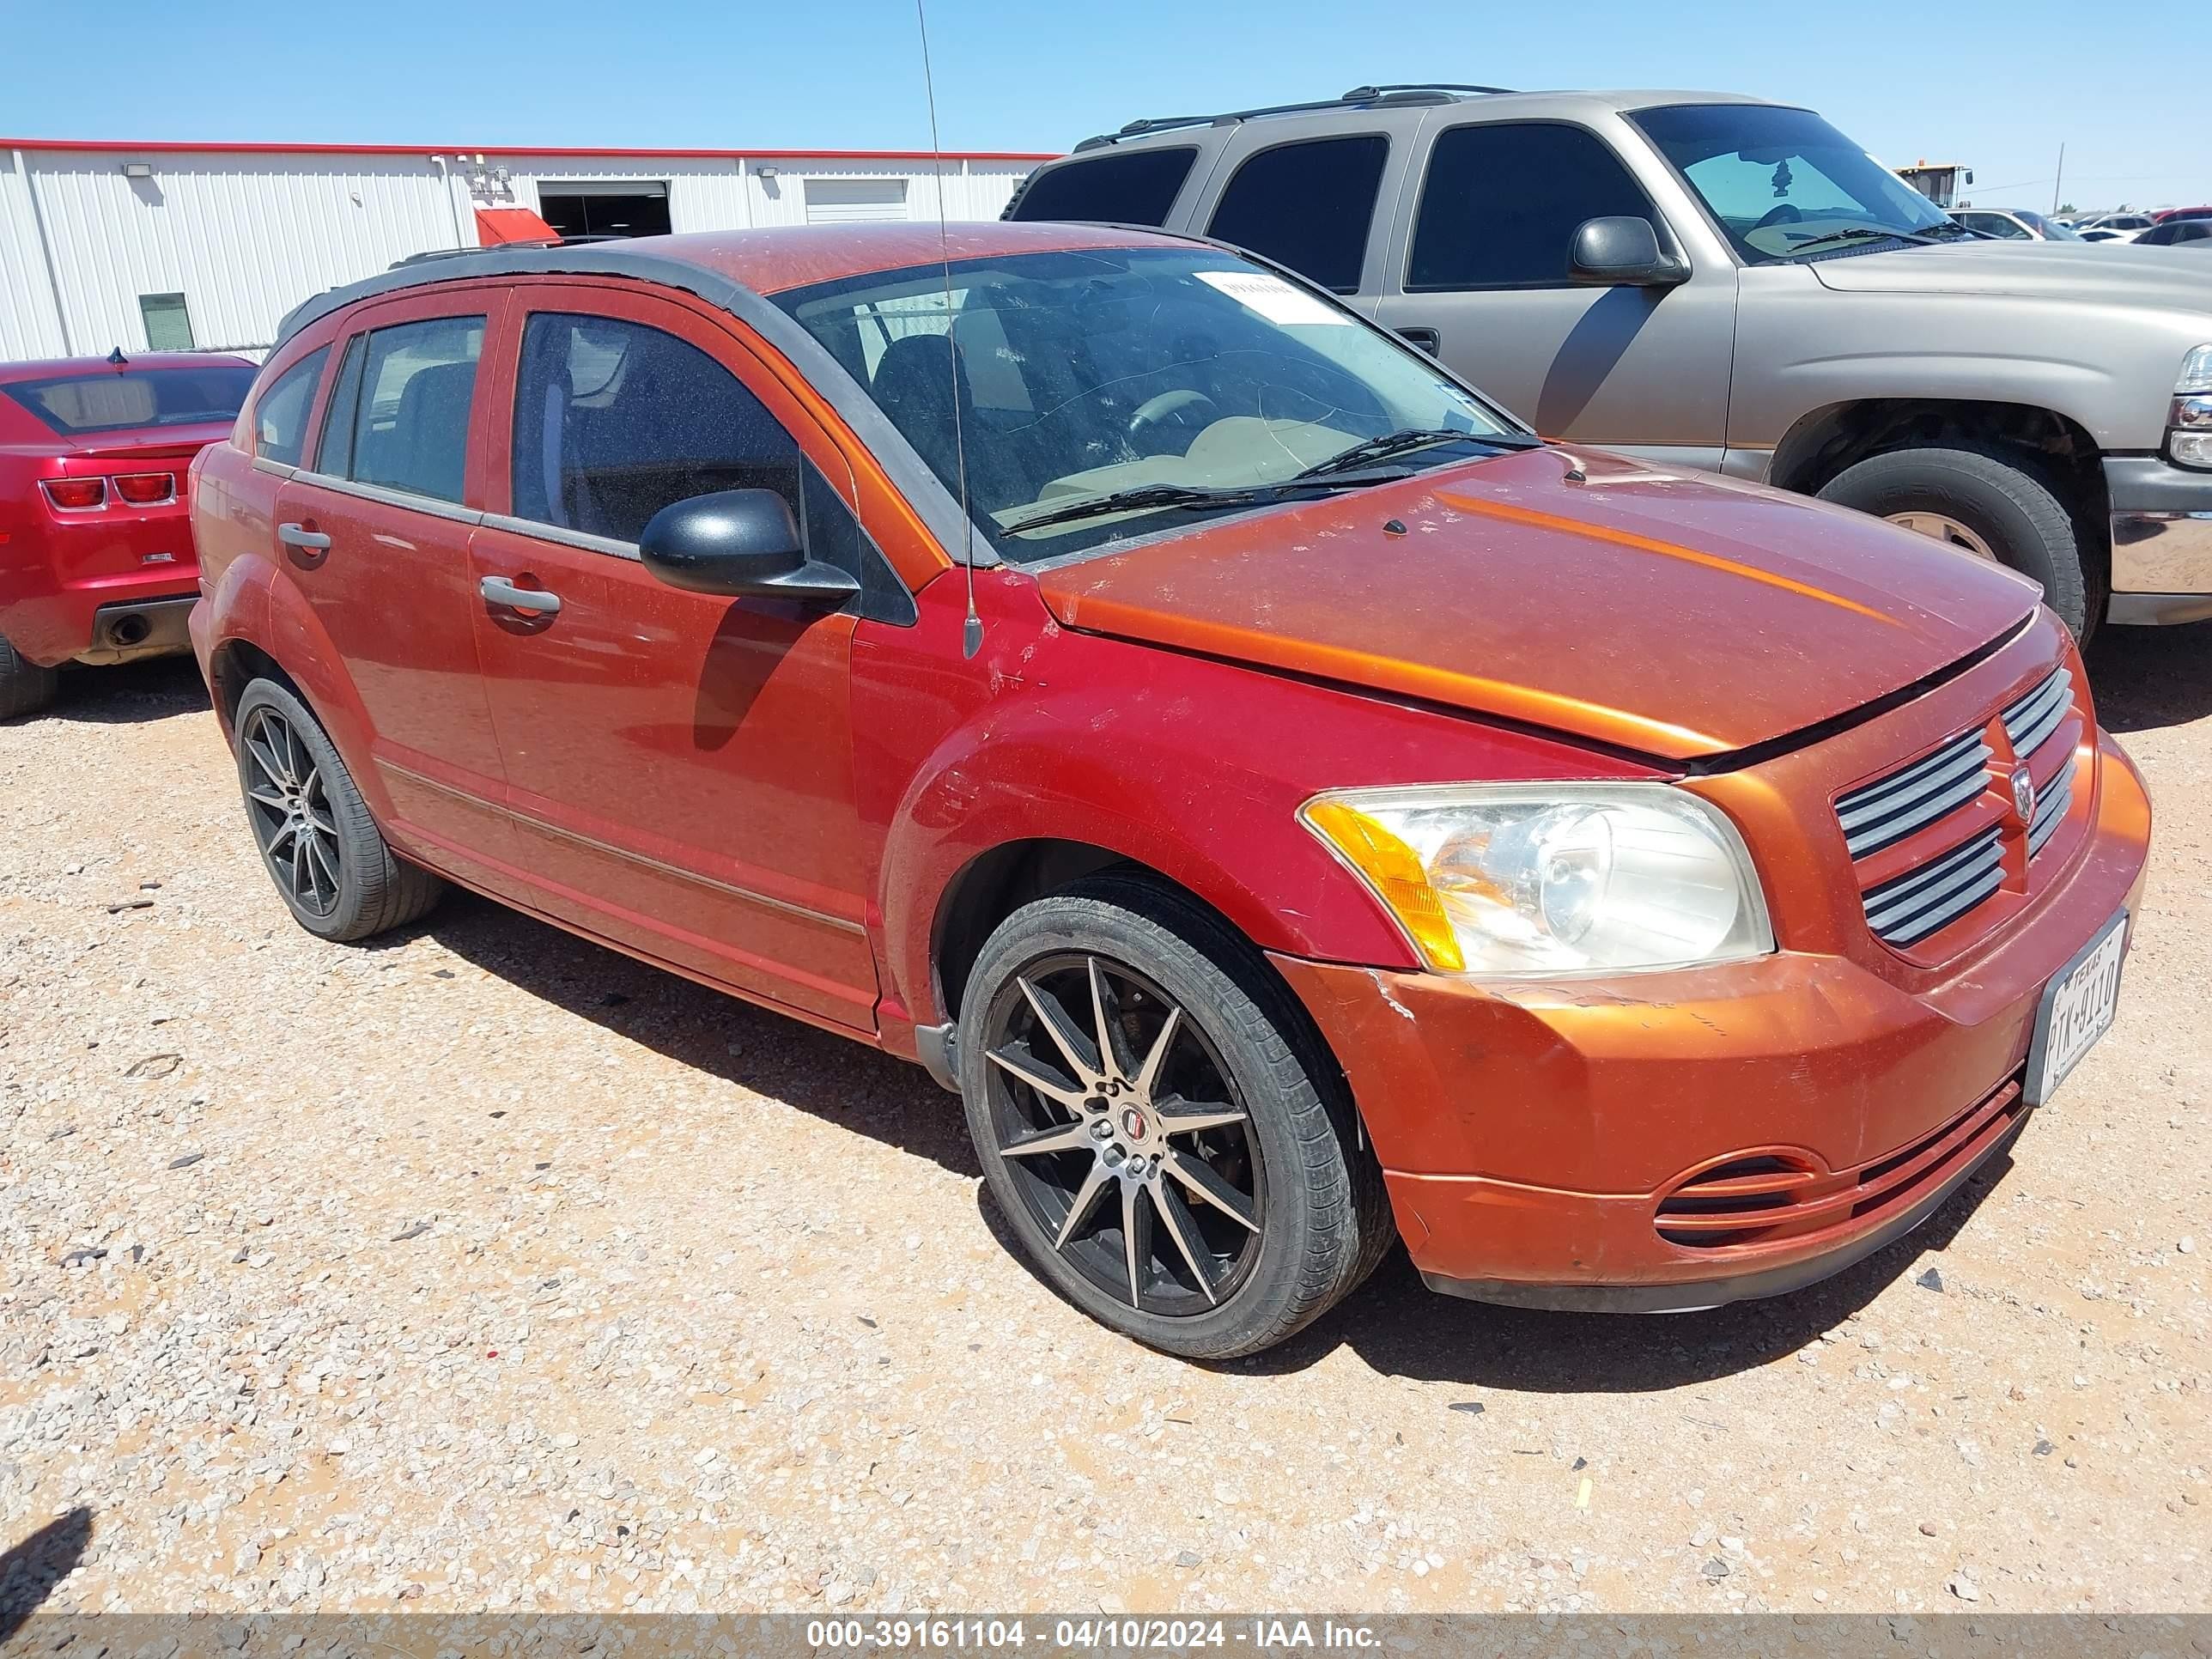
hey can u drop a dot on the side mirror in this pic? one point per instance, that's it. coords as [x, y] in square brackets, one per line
[740, 543]
[1622, 252]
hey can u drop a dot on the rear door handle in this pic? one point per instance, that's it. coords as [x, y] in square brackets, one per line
[497, 590]
[295, 535]
[1426, 339]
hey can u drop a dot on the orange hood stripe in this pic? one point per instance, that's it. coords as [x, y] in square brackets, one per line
[1597, 532]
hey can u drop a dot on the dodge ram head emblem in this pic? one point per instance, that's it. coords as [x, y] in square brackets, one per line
[2023, 795]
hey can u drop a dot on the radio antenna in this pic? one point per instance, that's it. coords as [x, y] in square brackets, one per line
[971, 632]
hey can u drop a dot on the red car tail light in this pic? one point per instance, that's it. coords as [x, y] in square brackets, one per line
[75, 494]
[147, 489]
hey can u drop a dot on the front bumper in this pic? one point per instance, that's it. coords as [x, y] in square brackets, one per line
[2161, 541]
[1530, 1134]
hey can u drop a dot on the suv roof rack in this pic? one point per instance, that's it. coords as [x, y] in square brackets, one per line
[1396, 92]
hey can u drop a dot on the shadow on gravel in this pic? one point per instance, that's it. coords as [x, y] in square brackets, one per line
[29, 1571]
[838, 1080]
[135, 692]
[2148, 678]
[1398, 1326]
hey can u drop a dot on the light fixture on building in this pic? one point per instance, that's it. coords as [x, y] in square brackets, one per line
[137, 169]
[763, 173]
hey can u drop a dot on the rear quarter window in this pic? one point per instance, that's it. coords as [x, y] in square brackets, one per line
[1129, 187]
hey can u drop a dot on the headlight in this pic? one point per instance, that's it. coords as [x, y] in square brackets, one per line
[2189, 424]
[1519, 879]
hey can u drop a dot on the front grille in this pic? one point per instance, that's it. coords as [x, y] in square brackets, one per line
[1768, 1197]
[1906, 906]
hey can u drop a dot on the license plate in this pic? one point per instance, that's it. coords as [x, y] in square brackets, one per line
[2077, 1008]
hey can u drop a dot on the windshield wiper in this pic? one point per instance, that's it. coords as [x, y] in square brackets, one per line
[1859, 233]
[1409, 438]
[1151, 498]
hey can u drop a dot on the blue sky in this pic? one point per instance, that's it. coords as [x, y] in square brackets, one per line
[1997, 85]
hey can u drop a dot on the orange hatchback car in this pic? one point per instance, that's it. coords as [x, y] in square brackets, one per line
[1296, 808]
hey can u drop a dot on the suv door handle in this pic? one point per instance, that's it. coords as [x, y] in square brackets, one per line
[294, 535]
[1426, 339]
[497, 590]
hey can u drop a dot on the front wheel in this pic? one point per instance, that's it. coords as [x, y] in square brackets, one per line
[1155, 1121]
[1989, 503]
[330, 864]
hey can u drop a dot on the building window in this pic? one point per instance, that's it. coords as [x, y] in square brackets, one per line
[625, 207]
[169, 322]
[851, 201]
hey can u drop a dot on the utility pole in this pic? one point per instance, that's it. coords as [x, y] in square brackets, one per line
[2056, 184]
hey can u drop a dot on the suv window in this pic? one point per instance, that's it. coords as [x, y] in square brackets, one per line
[1269, 206]
[1502, 201]
[1131, 187]
[407, 413]
[280, 414]
[613, 420]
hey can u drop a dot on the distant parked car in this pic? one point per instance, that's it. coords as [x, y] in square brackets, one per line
[2114, 227]
[2167, 215]
[1704, 280]
[2175, 232]
[96, 562]
[2015, 225]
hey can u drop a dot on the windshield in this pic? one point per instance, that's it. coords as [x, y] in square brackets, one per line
[1091, 373]
[1780, 180]
[108, 401]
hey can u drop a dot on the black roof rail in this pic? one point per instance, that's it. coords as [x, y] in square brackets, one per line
[1424, 92]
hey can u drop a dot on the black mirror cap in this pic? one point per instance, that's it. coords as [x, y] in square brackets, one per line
[737, 542]
[1622, 251]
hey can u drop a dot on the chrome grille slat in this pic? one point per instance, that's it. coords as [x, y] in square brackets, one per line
[1900, 908]
[1892, 808]
[2051, 808]
[2032, 719]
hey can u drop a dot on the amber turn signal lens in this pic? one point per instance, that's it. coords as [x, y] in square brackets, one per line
[1395, 873]
[146, 488]
[76, 493]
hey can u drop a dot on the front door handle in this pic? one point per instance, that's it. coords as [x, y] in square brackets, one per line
[1426, 339]
[297, 535]
[497, 590]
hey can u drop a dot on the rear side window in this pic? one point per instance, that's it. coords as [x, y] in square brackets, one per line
[1502, 201]
[407, 418]
[280, 414]
[1308, 206]
[1129, 187]
[110, 401]
[613, 420]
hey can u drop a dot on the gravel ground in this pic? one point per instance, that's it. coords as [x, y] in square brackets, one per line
[486, 1268]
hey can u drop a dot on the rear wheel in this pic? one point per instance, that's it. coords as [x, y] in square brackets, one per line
[1151, 1116]
[1990, 503]
[330, 864]
[24, 688]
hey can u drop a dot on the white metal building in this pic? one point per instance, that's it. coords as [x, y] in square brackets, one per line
[170, 247]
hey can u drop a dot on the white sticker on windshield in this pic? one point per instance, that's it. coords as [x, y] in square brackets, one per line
[1272, 297]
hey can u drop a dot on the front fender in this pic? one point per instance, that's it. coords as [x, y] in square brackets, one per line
[1191, 767]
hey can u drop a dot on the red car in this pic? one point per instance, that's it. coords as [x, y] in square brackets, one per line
[1296, 807]
[96, 561]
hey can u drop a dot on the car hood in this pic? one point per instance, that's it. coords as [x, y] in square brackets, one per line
[1674, 614]
[2120, 274]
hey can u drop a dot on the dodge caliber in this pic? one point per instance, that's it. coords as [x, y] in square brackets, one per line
[1296, 809]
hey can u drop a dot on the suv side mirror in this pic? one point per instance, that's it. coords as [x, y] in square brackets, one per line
[740, 543]
[1620, 252]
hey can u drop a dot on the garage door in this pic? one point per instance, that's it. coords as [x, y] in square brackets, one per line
[851, 201]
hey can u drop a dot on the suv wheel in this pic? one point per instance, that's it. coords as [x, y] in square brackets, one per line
[25, 687]
[330, 862]
[1150, 1114]
[1986, 503]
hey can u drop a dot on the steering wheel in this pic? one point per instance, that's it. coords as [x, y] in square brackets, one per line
[1783, 213]
[1175, 408]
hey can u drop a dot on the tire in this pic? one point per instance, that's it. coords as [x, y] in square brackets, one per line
[24, 688]
[322, 849]
[2000, 498]
[1318, 1218]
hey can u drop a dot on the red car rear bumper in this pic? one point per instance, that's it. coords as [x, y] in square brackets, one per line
[1530, 1135]
[102, 590]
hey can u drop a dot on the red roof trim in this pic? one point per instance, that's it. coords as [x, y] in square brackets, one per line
[170, 147]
